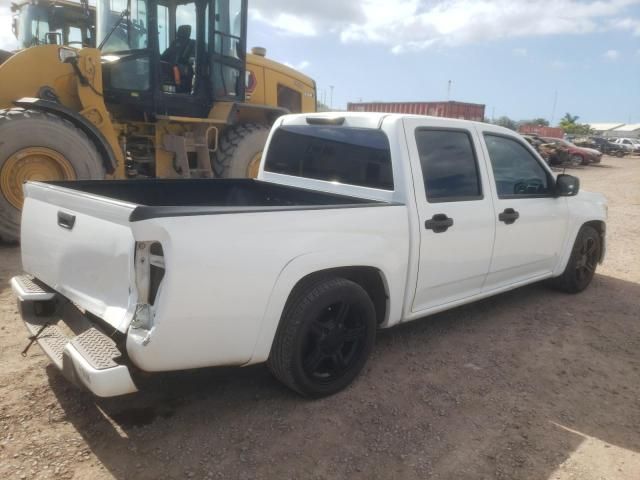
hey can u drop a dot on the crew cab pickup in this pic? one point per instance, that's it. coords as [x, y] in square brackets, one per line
[356, 222]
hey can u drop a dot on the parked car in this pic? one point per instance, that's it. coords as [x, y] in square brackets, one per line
[553, 153]
[355, 222]
[603, 145]
[577, 155]
[631, 144]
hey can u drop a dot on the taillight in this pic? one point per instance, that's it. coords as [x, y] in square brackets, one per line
[150, 270]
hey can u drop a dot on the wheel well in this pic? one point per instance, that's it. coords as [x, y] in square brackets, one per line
[601, 228]
[369, 278]
[90, 130]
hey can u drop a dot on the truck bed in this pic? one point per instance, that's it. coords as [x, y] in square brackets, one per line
[172, 198]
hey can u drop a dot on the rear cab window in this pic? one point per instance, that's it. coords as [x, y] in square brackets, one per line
[346, 155]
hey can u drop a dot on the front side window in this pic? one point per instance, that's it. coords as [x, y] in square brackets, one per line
[449, 166]
[516, 171]
[352, 156]
[121, 29]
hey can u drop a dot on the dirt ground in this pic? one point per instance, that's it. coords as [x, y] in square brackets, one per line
[532, 384]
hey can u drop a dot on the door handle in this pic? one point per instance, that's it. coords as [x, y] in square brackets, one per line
[439, 223]
[66, 220]
[509, 216]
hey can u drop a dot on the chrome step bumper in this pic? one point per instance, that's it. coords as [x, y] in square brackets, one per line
[85, 355]
[26, 289]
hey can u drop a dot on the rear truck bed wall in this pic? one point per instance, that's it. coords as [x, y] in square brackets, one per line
[225, 288]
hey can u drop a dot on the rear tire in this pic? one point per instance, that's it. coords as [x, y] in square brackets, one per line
[325, 337]
[239, 151]
[583, 262]
[72, 156]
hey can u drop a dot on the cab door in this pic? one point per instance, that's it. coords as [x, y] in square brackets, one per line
[457, 222]
[531, 222]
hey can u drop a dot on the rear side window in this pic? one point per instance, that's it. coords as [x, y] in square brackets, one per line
[353, 156]
[449, 165]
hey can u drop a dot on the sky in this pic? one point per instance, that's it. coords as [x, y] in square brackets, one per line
[518, 57]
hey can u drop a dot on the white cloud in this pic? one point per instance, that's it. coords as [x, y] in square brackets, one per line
[631, 24]
[558, 65]
[520, 52]
[304, 64]
[418, 24]
[612, 55]
[7, 40]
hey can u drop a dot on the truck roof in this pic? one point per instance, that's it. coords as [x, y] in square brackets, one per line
[374, 119]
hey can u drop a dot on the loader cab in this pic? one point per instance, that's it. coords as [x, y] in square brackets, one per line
[43, 22]
[171, 57]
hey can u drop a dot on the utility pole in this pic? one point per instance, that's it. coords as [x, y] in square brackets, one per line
[449, 90]
[331, 101]
[555, 104]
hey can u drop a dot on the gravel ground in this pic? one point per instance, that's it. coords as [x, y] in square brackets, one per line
[532, 384]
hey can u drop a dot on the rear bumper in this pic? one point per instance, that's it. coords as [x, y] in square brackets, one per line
[85, 356]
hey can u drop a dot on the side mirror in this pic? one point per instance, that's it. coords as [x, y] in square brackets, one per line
[567, 185]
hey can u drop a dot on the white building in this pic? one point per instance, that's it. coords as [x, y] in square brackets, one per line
[605, 129]
[631, 130]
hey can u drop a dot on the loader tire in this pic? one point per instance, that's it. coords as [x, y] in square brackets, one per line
[36, 145]
[239, 151]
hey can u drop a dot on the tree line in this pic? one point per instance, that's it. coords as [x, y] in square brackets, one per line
[569, 123]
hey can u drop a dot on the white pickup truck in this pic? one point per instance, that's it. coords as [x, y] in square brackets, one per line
[355, 222]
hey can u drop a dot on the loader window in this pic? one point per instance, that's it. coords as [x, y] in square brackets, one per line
[163, 27]
[129, 33]
[178, 60]
[228, 46]
[353, 156]
[290, 99]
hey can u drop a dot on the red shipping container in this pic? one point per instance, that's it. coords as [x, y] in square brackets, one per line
[541, 131]
[462, 110]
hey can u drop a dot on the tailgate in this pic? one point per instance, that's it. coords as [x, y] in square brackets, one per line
[82, 246]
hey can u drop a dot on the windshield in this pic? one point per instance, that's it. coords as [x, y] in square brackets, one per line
[33, 26]
[129, 32]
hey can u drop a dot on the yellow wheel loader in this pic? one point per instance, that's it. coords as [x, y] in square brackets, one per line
[169, 92]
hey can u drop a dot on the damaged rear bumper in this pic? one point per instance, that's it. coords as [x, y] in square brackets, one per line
[85, 355]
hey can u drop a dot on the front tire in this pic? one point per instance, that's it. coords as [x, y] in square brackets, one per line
[325, 337]
[240, 151]
[575, 160]
[40, 146]
[582, 264]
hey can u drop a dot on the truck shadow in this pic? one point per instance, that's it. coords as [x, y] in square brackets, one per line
[509, 387]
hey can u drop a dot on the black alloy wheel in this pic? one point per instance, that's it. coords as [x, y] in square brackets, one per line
[587, 259]
[334, 341]
[326, 334]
